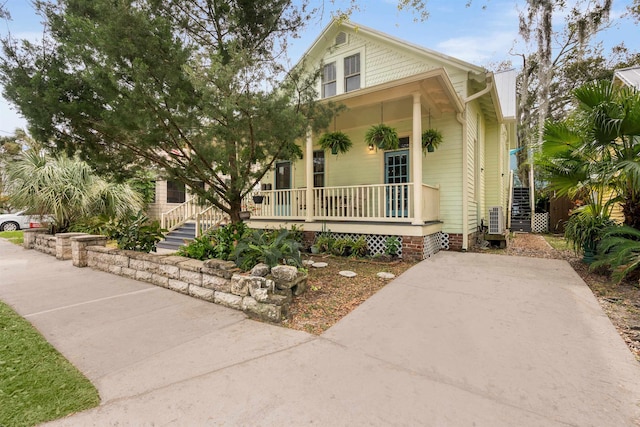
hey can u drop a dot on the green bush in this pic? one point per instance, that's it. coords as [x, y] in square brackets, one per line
[619, 250]
[359, 247]
[325, 242]
[135, 232]
[584, 230]
[270, 247]
[392, 246]
[219, 243]
[91, 225]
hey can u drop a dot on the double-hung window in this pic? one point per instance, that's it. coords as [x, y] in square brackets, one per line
[329, 80]
[352, 72]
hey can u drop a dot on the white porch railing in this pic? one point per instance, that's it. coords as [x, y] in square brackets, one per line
[376, 202]
[430, 202]
[177, 216]
[207, 219]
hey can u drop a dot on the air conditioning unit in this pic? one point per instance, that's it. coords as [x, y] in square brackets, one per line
[496, 220]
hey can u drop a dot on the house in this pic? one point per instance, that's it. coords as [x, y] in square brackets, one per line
[627, 77]
[428, 200]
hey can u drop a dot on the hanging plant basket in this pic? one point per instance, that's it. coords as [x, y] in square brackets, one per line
[431, 139]
[337, 142]
[257, 199]
[382, 136]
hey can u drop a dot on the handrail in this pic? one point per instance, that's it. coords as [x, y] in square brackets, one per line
[180, 214]
[207, 219]
[509, 204]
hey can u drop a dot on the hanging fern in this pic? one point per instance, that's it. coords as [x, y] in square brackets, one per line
[431, 139]
[382, 136]
[337, 142]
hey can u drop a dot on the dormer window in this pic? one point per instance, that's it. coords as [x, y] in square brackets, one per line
[329, 80]
[352, 72]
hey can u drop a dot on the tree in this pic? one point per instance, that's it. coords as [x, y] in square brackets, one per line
[596, 153]
[196, 87]
[67, 190]
[547, 73]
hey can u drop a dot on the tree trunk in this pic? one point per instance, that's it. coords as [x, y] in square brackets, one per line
[235, 208]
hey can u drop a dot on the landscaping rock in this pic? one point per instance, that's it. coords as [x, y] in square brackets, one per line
[228, 300]
[386, 276]
[284, 273]
[299, 288]
[319, 264]
[260, 270]
[308, 262]
[218, 264]
[260, 295]
[240, 287]
[216, 283]
[347, 273]
[201, 293]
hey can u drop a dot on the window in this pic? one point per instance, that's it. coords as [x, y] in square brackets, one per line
[175, 192]
[283, 175]
[329, 80]
[318, 168]
[352, 72]
[403, 142]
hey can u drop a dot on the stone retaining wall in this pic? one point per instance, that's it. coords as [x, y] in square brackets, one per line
[264, 293]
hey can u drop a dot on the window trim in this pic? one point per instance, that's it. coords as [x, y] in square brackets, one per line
[339, 61]
[329, 82]
[346, 77]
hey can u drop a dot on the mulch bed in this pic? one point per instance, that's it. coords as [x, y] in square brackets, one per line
[330, 297]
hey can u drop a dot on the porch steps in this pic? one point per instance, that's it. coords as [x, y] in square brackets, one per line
[179, 237]
[521, 210]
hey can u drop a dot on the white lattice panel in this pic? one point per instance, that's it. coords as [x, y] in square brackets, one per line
[375, 242]
[541, 222]
[444, 241]
[432, 244]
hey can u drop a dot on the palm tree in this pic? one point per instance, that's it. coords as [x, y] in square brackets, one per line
[595, 153]
[67, 190]
[613, 132]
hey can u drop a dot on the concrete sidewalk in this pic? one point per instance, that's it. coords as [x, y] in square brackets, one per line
[460, 339]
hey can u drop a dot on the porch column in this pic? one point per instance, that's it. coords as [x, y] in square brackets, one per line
[416, 161]
[309, 175]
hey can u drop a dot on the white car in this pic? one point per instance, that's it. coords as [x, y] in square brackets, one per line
[18, 221]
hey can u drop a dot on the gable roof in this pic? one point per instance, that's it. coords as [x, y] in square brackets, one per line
[326, 39]
[628, 76]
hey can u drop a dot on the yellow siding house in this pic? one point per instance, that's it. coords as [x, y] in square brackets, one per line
[428, 200]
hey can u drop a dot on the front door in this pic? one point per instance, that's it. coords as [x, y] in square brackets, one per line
[283, 182]
[396, 173]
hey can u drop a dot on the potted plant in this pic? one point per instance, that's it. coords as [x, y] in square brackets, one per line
[245, 215]
[258, 199]
[431, 139]
[337, 142]
[382, 136]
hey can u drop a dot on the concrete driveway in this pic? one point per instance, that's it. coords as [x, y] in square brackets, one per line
[458, 340]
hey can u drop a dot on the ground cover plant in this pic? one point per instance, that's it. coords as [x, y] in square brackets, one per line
[13, 236]
[37, 384]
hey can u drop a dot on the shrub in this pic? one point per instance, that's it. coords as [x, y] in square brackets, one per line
[325, 242]
[135, 232]
[392, 246]
[619, 249]
[360, 247]
[270, 247]
[584, 230]
[219, 243]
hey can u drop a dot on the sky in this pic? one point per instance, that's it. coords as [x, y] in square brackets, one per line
[483, 34]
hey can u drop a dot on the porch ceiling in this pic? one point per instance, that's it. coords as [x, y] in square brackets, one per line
[437, 93]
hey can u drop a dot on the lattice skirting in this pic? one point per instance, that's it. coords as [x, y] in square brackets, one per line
[375, 242]
[444, 241]
[432, 243]
[541, 222]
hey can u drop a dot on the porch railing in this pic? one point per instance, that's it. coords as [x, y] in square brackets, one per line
[430, 202]
[207, 219]
[177, 216]
[375, 202]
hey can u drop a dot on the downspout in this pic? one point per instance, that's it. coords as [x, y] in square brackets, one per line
[462, 119]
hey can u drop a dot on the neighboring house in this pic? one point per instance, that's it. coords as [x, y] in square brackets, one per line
[428, 200]
[168, 195]
[627, 77]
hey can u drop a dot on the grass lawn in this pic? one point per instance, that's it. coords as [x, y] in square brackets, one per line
[37, 384]
[12, 236]
[557, 242]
